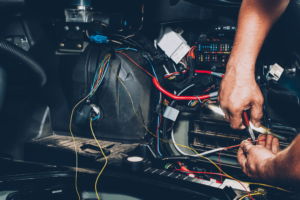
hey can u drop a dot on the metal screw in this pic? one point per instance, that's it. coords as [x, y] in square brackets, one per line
[266, 67]
[77, 28]
[61, 44]
[66, 28]
[292, 70]
[79, 46]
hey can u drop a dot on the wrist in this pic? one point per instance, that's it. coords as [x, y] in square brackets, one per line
[269, 170]
[241, 66]
[240, 73]
[240, 69]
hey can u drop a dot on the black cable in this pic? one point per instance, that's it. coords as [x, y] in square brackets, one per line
[8, 49]
[3, 82]
[128, 40]
[189, 79]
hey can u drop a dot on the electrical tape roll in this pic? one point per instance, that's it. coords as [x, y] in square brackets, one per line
[134, 163]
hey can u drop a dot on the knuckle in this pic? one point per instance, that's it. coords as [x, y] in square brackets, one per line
[252, 167]
[235, 126]
[257, 116]
[247, 169]
[234, 109]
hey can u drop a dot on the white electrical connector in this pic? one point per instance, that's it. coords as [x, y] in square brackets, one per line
[171, 113]
[174, 46]
[276, 71]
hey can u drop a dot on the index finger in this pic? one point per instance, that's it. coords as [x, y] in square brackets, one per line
[262, 137]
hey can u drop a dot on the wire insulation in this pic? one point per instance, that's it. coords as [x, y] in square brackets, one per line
[135, 63]
[210, 173]
[250, 194]
[165, 92]
[75, 149]
[91, 123]
[183, 145]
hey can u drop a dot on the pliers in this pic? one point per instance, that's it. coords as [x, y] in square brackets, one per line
[248, 127]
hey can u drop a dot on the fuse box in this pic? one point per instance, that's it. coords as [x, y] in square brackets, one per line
[213, 53]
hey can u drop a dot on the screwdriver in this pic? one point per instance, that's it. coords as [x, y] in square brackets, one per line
[248, 127]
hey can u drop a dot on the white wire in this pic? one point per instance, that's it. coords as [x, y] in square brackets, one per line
[195, 155]
[173, 139]
[182, 91]
[174, 67]
[166, 70]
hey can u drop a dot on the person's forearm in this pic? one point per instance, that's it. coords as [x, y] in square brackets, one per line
[284, 168]
[255, 21]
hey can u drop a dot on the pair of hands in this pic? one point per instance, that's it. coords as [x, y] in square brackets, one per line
[238, 92]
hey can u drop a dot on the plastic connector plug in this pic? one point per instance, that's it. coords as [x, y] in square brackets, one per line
[220, 75]
[173, 44]
[99, 39]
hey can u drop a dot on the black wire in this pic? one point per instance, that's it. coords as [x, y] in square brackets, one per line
[128, 40]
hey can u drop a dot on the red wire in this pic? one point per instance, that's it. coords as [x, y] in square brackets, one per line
[171, 74]
[231, 148]
[206, 90]
[100, 74]
[174, 74]
[191, 52]
[135, 63]
[214, 174]
[203, 71]
[165, 92]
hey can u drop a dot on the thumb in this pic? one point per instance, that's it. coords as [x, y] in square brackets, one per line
[256, 113]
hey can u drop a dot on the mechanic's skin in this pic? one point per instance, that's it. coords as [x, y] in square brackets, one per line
[265, 162]
[239, 91]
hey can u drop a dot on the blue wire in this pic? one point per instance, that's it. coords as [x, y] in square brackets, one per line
[104, 73]
[126, 49]
[96, 76]
[101, 78]
[159, 102]
[96, 118]
[151, 66]
[191, 103]
[172, 74]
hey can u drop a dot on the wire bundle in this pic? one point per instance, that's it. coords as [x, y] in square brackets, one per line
[191, 53]
[99, 76]
[224, 174]
[100, 73]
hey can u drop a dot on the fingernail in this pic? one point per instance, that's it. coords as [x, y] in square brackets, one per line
[257, 125]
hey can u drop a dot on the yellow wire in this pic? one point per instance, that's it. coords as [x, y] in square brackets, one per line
[104, 157]
[168, 166]
[70, 127]
[248, 195]
[184, 145]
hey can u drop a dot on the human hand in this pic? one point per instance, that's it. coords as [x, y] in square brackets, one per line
[238, 92]
[254, 159]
